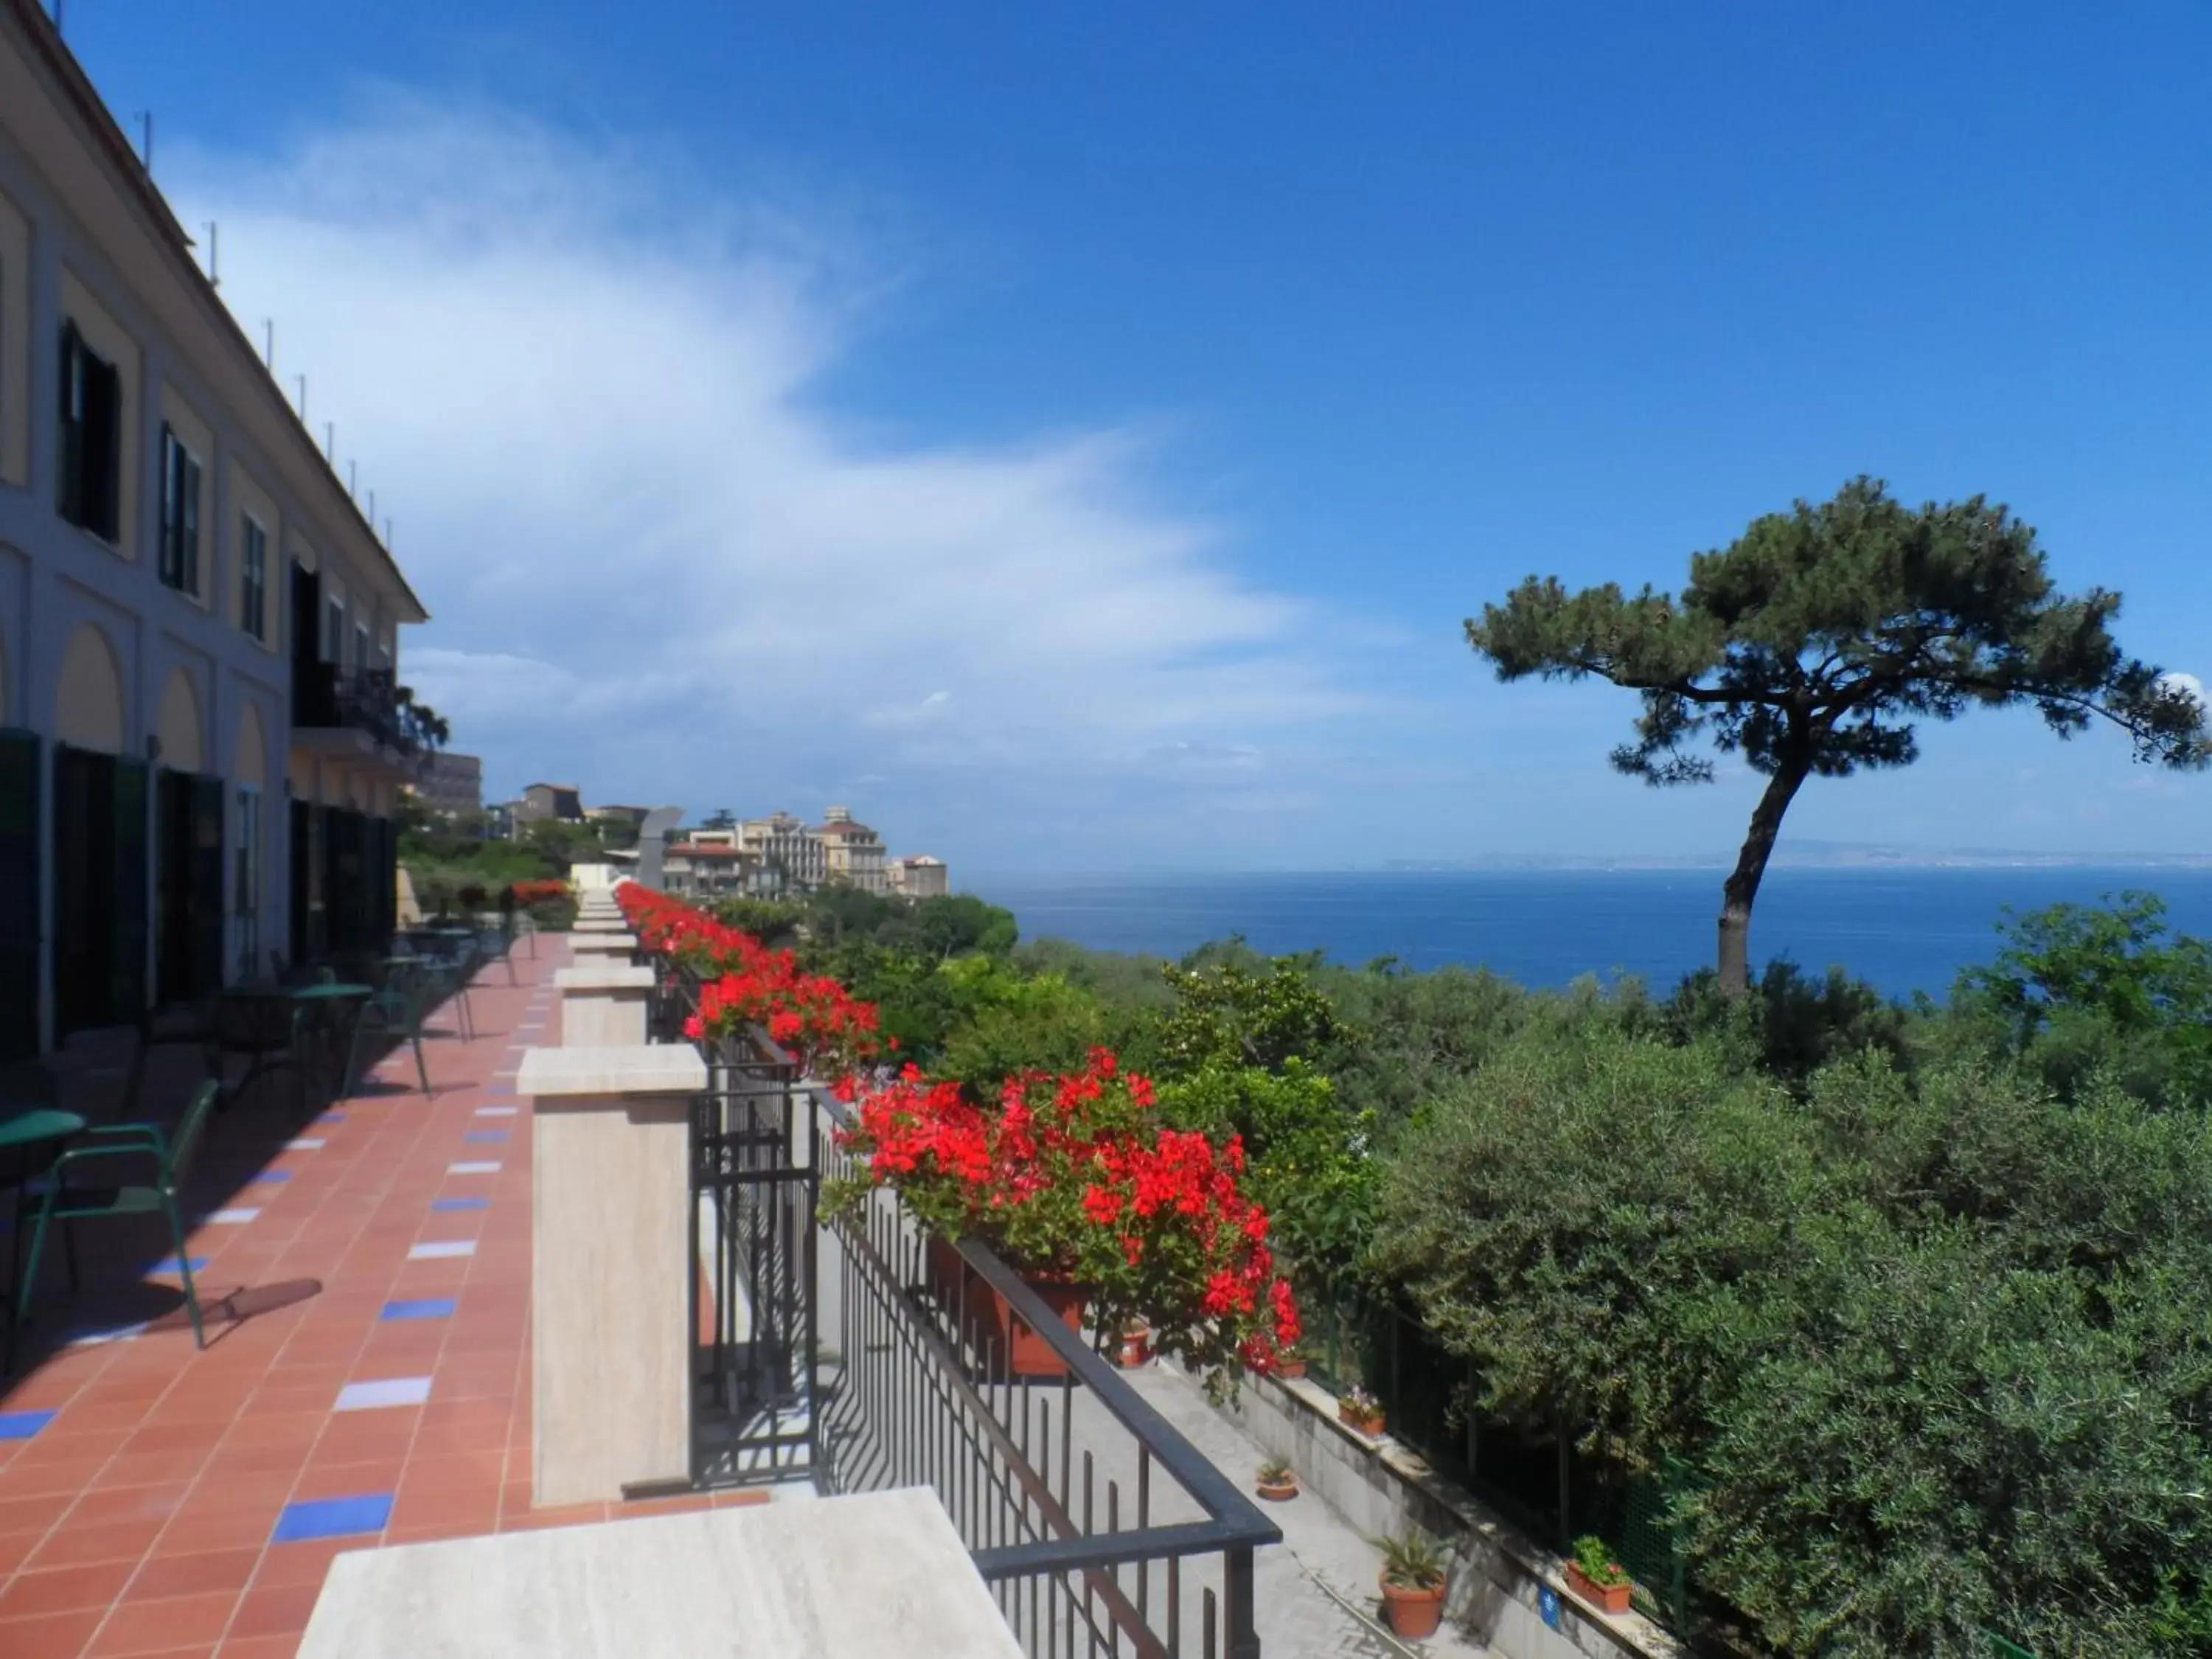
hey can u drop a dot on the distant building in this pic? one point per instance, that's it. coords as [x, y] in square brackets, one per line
[852, 852]
[450, 784]
[791, 857]
[633, 814]
[918, 877]
[709, 863]
[504, 815]
[541, 801]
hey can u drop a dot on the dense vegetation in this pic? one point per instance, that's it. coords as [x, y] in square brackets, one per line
[456, 866]
[1914, 1295]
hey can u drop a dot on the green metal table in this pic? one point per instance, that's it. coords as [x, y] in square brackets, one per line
[30, 1141]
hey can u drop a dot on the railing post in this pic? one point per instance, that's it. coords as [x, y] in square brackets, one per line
[611, 1316]
[1244, 1634]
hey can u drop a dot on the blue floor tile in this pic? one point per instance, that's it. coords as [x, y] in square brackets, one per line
[332, 1518]
[451, 1205]
[485, 1136]
[168, 1264]
[22, 1425]
[433, 1307]
[273, 1176]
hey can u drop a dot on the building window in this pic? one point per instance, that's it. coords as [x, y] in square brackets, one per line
[246, 902]
[92, 438]
[334, 632]
[253, 577]
[180, 513]
[360, 647]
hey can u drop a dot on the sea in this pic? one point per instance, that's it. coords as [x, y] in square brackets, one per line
[1905, 929]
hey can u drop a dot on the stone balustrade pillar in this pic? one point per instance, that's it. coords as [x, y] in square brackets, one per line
[611, 1304]
[611, 947]
[604, 1003]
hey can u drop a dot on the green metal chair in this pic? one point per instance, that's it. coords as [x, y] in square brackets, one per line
[395, 1010]
[172, 1153]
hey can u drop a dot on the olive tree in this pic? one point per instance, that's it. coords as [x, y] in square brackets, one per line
[1811, 644]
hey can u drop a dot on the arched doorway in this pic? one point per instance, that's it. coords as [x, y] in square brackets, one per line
[188, 810]
[99, 820]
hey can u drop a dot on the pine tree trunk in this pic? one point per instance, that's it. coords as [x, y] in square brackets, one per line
[1741, 890]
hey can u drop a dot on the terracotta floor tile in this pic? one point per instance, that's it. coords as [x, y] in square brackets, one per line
[477, 1507]
[149, 1627]
[307, 1563]
[64, 1590]
[155, 1468]
[279, 1610]
[129, 1504]
[200, 1573]
[51, 1636]
[114, 1541]
[259, 1647]
[236, 1529]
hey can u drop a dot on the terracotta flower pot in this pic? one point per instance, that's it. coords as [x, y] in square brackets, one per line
[1136, 1349]
[1369, 1425]
[991, 1325]
[1289, 1369]
[1279, 1491]
[1414, 1614]
[1607, 1598]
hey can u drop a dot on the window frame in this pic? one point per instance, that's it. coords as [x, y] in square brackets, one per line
[89, 494]
[183, 476]
[252, 576]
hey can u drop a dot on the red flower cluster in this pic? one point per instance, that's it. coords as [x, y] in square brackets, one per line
[543, 891]
[744, 983]
[1076, 1177]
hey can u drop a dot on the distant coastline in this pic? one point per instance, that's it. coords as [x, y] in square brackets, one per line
[1823, 855]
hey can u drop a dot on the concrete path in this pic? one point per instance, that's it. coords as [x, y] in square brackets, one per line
[1316, 1590]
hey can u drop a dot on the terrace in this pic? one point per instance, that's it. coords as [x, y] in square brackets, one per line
[433, 1325]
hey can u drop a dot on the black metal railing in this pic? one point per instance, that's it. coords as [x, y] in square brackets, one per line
[756, 1146]
[867, 1354]
[370, 702]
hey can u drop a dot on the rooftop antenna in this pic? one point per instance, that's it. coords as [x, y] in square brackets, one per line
[331, 442]
[372, 506]
[214, 272]
[146, 117]
[387, 535]
[353, 479]
[303, 399]
[269, 342]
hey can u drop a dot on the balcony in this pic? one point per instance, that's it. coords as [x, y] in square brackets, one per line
[365, 713]
[359, 1463]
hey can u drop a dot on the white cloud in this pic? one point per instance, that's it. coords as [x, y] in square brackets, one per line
[590, 399]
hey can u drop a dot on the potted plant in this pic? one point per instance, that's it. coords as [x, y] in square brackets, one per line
[1278, 1482]
[1292, 1363]
[1595, 1576]
[1414, 1567]
[1362, 1411]
[1136, 1344]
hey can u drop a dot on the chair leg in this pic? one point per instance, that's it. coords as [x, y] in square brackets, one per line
[184, 1268]
[69, 1252]
[29, 1283]
[421, 1066]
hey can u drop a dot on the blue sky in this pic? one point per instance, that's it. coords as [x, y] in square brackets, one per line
[1073, 435]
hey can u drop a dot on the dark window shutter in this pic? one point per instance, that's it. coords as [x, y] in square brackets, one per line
[70, 494]
[191, 530]
[128, 964]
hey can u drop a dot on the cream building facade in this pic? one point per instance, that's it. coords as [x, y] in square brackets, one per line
[851, 852]
[199, 743]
